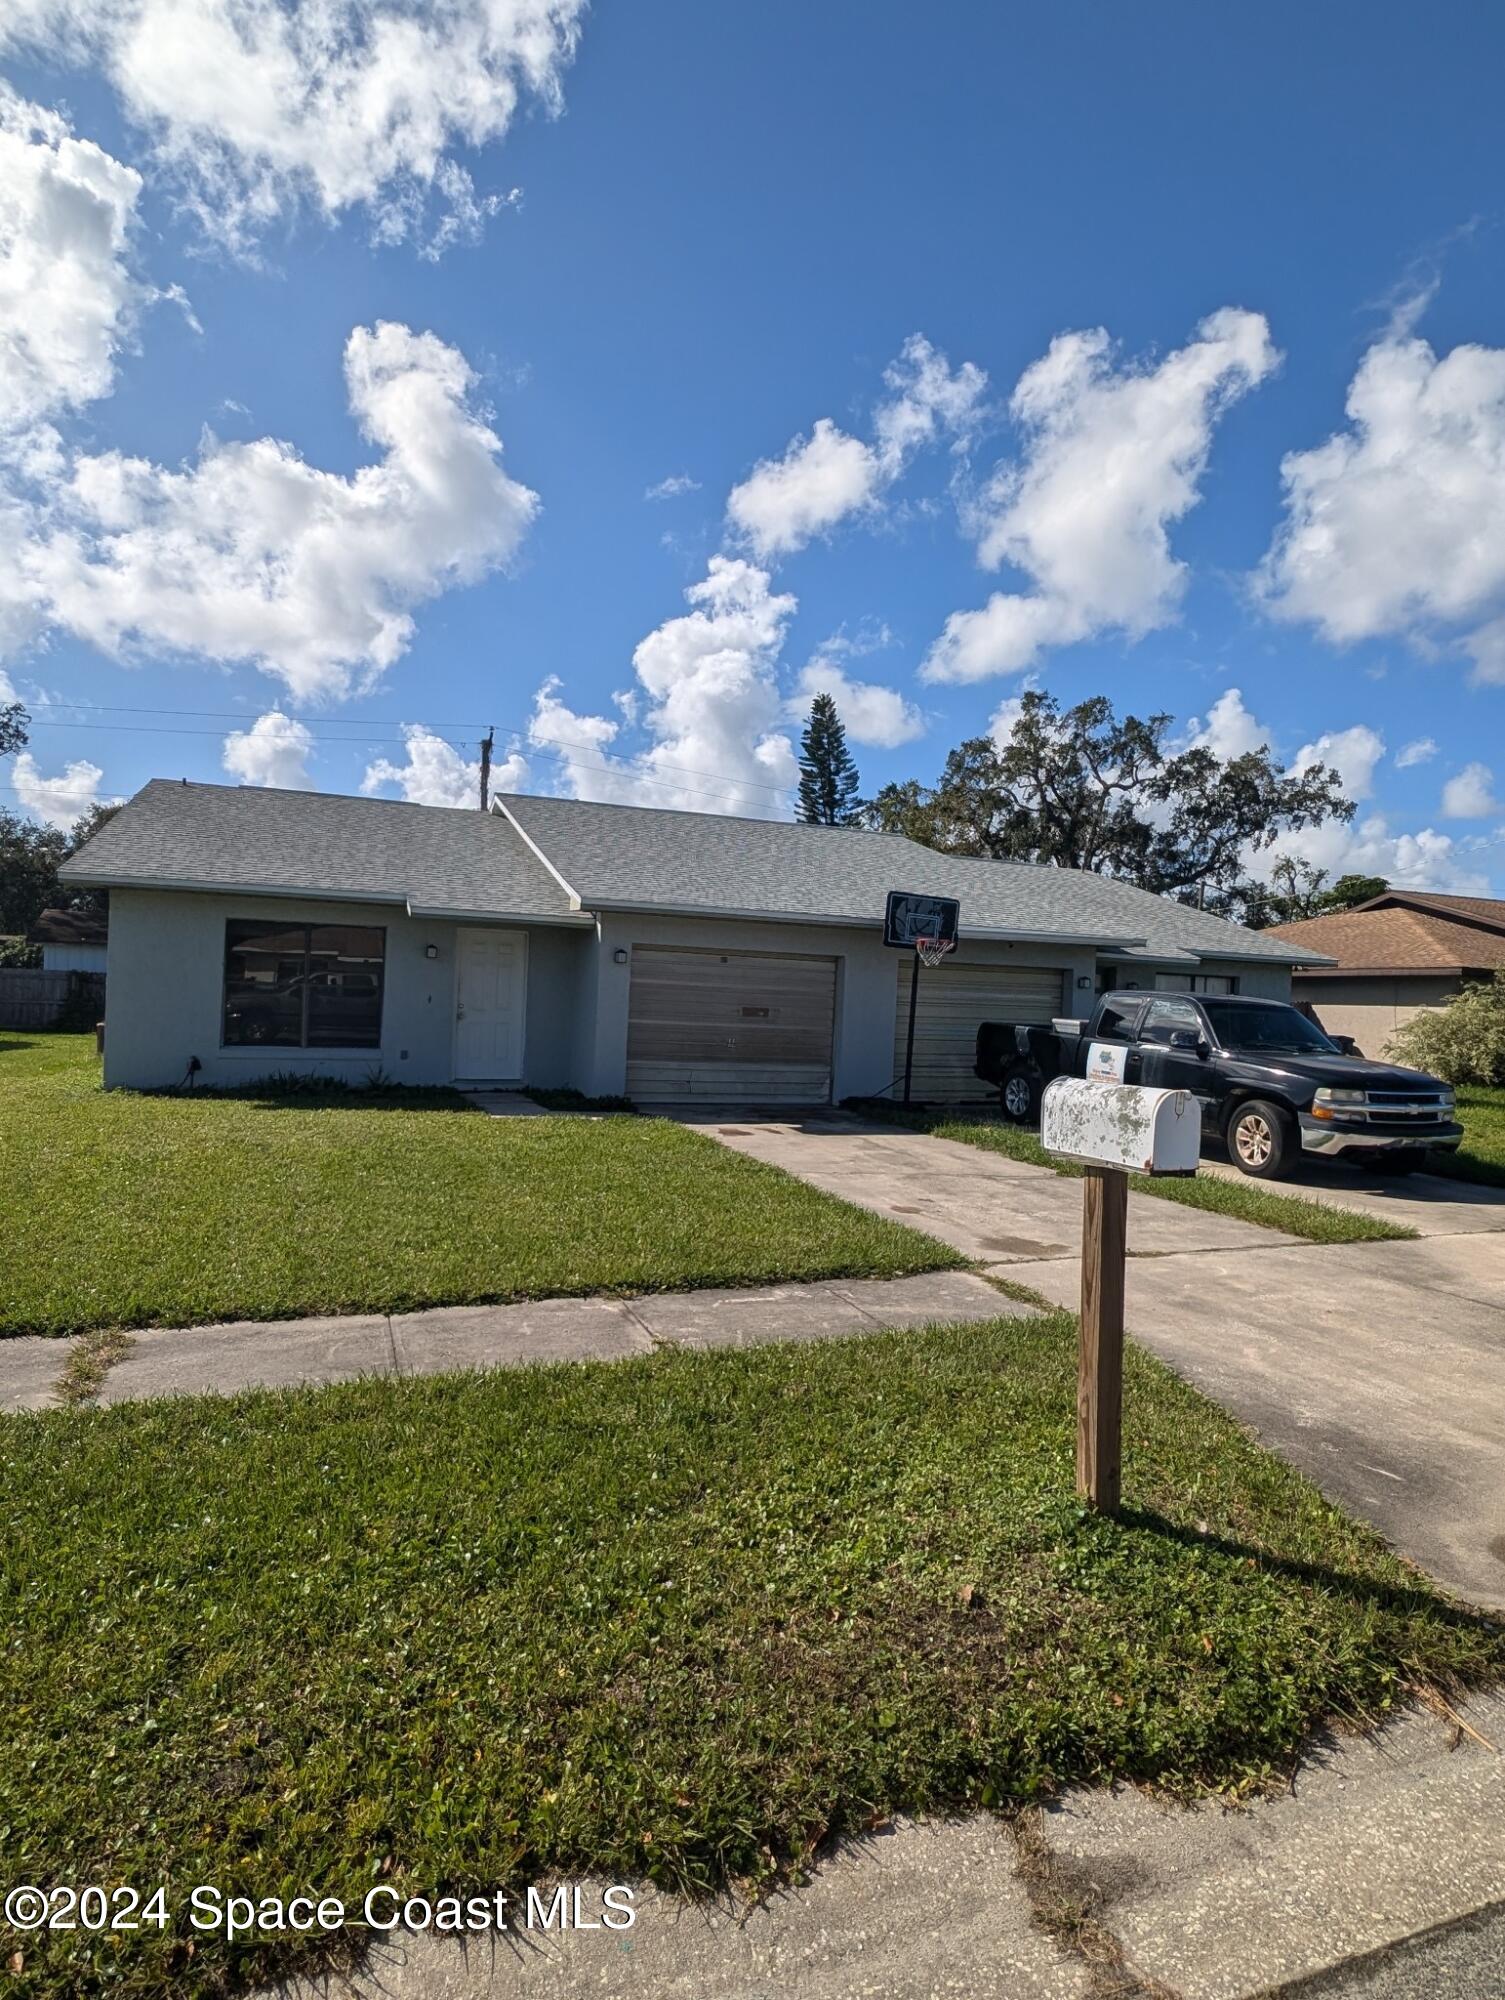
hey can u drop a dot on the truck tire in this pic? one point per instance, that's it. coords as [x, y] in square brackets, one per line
[1262, 1140]
[1019, 1094]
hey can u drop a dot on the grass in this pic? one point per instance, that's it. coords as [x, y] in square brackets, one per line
[119, 1209]
[1481, 1157]
[1293, 1214]
[685, 1617]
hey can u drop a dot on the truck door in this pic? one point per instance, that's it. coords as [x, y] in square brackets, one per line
[1165, 1068]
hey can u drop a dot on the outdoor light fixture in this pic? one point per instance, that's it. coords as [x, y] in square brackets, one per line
[1083, 980]
[619, 956]
[431, 951]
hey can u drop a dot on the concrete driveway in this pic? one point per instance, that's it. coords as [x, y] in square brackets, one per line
[1377, 1368]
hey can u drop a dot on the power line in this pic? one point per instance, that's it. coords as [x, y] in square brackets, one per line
[560, 747]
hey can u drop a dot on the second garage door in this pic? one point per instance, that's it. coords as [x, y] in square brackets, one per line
[737, 1027]
[954, 1001]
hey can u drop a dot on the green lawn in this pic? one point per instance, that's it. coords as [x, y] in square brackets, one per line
[1246, 1200]
[120, 1209]
[683, 1617]
[1481, 1157]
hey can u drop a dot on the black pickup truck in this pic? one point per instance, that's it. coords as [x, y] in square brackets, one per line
[1272, 1086]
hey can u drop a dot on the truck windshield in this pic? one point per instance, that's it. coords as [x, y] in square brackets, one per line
[1274, 1027]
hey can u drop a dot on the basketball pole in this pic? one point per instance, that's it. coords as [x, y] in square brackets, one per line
[914, 995]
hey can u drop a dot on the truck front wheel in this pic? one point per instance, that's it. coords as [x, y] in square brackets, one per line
[1262, 1140]
[1019, 1094]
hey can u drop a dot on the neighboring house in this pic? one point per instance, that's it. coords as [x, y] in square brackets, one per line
[71, 940]
[1393, 957]
[613, 948]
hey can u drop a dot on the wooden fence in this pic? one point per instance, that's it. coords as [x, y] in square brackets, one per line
[31, 999]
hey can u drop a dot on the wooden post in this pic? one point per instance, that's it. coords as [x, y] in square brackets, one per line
[1100, 1353]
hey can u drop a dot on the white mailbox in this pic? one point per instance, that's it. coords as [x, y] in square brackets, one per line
[1121, 1125]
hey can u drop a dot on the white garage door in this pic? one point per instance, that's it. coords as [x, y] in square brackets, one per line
[737, 1027]
[955, 999]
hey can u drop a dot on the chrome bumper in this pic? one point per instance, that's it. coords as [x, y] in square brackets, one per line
[1323, 1135]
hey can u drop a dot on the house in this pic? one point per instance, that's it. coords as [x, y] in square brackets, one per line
[1392, 957]
[71, 940]
[663, 954]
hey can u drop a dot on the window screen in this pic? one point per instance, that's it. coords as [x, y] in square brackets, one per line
[303, 986]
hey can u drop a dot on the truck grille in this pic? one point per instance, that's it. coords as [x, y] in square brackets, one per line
[1402, 1108]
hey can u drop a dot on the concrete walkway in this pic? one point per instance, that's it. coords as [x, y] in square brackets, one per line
[1377, 1368]
[273, 1354]
[1376, 1841]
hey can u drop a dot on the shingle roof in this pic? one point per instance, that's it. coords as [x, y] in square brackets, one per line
[436, 860]
[644, 857]
[1487, 910]
[1398, 937]
[557, 859]
[69, 927]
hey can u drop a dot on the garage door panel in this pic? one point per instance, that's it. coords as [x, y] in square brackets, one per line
[736, 1026]
[954, 1000]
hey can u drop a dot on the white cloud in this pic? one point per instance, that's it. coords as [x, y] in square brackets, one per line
[437, 774]
[1397, 524]
[926, 398]
[822, 479]
[1352, 753]
[1471, 795]
[1230, 730]
[1113, 456]
[672, 487]
[1425, 859]
[251, 554]
[61, 800]
[67, 295]
[869, 712]
[258, 106]
[708, 693]
[274, 751]
[1421, 751]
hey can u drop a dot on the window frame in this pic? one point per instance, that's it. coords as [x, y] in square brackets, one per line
[303, 1046]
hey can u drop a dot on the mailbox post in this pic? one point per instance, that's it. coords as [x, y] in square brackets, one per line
[1113, 1130]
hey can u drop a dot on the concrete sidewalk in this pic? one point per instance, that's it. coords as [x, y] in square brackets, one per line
[270, 1354]
[1377, 1840]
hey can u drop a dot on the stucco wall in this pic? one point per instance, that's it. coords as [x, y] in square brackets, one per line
[166, 971]
[866, 987]
[1371, 1009]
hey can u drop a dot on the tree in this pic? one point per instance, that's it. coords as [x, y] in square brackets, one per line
[828, 773]
[30, 856]
[1084, 788]
[13, 727]
[1350, 890]
[1463, 1042]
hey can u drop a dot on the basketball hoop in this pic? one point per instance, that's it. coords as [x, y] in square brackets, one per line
[932, 950]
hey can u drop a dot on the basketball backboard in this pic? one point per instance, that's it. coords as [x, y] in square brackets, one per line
[910, 916]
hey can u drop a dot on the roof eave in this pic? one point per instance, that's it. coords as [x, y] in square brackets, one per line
[613, 906]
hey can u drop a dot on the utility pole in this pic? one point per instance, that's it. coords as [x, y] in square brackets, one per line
[487, 743]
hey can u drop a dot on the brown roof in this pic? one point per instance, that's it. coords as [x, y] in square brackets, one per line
[1486, 910]
[1418, 934]
[68, 927]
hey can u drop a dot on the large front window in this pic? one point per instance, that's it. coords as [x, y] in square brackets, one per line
[1273, 1028]
[303, 986]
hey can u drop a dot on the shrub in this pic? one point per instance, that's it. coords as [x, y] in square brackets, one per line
[1463, 1042]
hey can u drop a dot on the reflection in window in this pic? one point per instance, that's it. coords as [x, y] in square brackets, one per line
[303, 986]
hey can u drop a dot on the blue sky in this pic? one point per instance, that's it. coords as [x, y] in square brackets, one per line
[730, 230]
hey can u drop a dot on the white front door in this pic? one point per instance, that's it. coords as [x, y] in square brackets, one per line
[490, 985]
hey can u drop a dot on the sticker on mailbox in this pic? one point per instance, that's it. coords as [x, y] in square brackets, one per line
[1105, 1061]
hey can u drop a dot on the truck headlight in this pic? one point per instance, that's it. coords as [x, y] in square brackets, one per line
[1330, 1103]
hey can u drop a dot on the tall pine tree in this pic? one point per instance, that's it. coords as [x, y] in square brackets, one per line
[828, 772]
